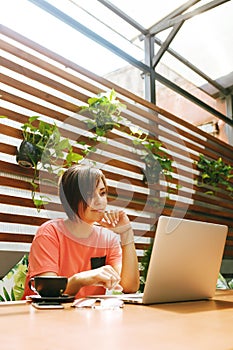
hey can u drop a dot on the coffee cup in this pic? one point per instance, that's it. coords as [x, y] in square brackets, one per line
[48, 286]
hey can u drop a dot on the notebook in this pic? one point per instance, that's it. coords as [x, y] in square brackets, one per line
[185, 262]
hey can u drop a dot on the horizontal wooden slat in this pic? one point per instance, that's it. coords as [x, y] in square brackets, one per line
[18, 238]
[22, 219]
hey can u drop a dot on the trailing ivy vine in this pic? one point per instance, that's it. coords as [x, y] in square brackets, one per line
[215, 173]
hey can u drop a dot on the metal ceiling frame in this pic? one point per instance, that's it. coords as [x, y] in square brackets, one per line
[175, 19]
[170, 22]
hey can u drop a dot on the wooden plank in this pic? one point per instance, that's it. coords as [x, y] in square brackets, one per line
[40, 109]
[22, 219]
[17, 68]
[38, 93]
[18, 238]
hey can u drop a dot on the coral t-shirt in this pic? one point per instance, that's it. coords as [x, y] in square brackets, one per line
[55, 249]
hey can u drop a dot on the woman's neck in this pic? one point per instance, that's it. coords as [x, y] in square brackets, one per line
[79, 228]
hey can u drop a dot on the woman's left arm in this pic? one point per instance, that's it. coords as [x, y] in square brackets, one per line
[119, 222]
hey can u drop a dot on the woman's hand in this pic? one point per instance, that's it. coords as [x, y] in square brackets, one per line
[115, 219]
[104, 276]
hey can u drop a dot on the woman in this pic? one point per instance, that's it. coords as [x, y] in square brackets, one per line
[93, 247]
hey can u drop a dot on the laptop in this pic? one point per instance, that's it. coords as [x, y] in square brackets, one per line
[185, 262]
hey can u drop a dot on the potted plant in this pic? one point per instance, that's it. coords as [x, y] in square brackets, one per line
[35, 140]
[214, 173]
[18, 276]
[44, 148]
[43, 143]
[156, 159]
[105, 110]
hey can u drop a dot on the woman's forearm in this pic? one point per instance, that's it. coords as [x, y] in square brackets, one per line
[130, 270]
[105, 276]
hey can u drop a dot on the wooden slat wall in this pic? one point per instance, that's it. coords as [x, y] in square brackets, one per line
[37, 81]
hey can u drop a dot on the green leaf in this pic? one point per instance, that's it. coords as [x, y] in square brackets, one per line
[92, 100]
[34, 185]
[5, 292]
[63, 144]
[73, 157]
[205, 176]
[221, 282]
[32, 119]
[40, 202]
[12, 294]
[1, 298]
[18, 292]
[83, 143]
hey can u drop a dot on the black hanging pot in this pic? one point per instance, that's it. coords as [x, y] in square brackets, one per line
[28, 155]
[151, 173]
[100, 127]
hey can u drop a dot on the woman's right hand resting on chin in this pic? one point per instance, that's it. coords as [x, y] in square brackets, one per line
[104, 276]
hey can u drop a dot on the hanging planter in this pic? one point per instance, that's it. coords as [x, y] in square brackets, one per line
[156, 159]
[44, 148]
[28, 155]
[152, 172]
[105, 111]
[36, 139]
[214, 174]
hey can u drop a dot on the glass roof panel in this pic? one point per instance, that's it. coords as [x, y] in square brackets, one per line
[204, 40]
[147, 12]
[40, 26]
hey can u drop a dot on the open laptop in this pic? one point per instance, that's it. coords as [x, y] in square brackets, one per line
[185, 262]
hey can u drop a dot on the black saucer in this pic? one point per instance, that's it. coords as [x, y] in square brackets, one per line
[62, 299]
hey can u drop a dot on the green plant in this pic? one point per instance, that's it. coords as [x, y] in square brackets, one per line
[214, 173]
[18, 273]
[105, 111]
[223, 283]
[156, 159]
[45, 149]
[144, 264]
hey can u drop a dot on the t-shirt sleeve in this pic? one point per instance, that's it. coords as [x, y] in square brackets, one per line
[44, 253]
